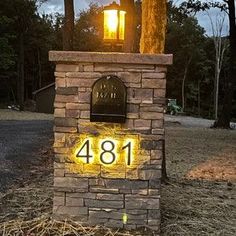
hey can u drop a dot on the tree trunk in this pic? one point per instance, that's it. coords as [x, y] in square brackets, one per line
[230, 83]
[183, 83]
[21, 74]
[128, 6]
[68, 29]
[154, 20]
[39, 69]
[216, 87]
[199, 98]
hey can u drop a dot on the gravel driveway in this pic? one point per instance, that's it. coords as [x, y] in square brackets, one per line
[20, 145]
[191, 122]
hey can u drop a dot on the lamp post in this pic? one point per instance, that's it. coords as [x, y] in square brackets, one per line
[114, 26]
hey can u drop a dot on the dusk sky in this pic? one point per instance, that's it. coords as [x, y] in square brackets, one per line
[58, 6]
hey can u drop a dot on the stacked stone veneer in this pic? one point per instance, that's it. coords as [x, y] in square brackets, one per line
[95, 195]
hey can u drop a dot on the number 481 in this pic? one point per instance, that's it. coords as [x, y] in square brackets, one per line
[107, 155]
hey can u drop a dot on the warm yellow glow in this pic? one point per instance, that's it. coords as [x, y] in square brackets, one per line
[122, 25]
[114, 25]
[110, 24]
[125, 218]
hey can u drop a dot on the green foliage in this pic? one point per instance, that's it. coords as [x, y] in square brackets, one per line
[6, 50]
[19, 19]
[89, 29]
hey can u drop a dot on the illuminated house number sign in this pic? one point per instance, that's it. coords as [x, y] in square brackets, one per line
[105, 151]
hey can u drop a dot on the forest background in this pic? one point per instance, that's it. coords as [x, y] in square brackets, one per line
[26, 36]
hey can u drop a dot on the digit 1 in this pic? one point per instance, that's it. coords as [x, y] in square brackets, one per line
[86, 145]
[129, 153]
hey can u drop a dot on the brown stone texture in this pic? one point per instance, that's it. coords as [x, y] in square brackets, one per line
[97, 193]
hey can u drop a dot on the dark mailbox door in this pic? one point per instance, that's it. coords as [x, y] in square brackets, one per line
[108, 100]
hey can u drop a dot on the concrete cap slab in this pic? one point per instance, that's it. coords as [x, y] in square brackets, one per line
[110, 57]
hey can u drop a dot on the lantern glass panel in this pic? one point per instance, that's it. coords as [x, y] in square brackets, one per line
[122, 25]
[110, 24]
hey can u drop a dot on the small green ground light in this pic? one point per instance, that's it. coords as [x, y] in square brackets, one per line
[125, 218]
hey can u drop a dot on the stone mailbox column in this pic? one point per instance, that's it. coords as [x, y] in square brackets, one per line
[109, 173]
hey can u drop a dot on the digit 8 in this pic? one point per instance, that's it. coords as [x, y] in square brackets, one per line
[106, 150]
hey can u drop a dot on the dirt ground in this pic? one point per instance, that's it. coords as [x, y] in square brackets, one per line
[7, 114]
[198, 199]
[200, 196]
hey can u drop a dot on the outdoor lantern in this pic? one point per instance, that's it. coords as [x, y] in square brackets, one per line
[114, 23]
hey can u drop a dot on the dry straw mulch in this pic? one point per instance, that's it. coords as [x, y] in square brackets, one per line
[196, 201]
[198, 208]
[46, 226]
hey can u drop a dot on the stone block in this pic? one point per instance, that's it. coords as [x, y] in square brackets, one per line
[140, 192]
[103, 190]
[66, 98]
[100, 67]
[160, 69]
[83, 75]
[60, 74]
[59, 105]
[111, 197]
[88, 67]
[154, 222]
[151, 108]
[106, 213]
[60, 82]
[158, 131]
[142, 123]
[85, 83]
[85, 114]
[65, 129]
[154, 192]
[130, 77]
[67, 91]
[65, 122]
[70, 182]
[151, 144]
[94, 221]
[118, 173]
[132, 108]
[71, 201]
[59, 158]
[129, 123]
[75, 113]
[133, 202]
[158, 124]
[97, 182]
[159, 100]
[159, 93]
[59, 200]
[71, 211]
[149, 174]
[59, 137]
[153, 75]
[151, 115]
[156, 162]
[67, 68]
[61, 150]
[84, 97]
[114, 223]
[152, 83]
[132, 115]
[104, 204]
[156, 154]
[59, 112]
[155, 183]
[86, 195]
[59, 172]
